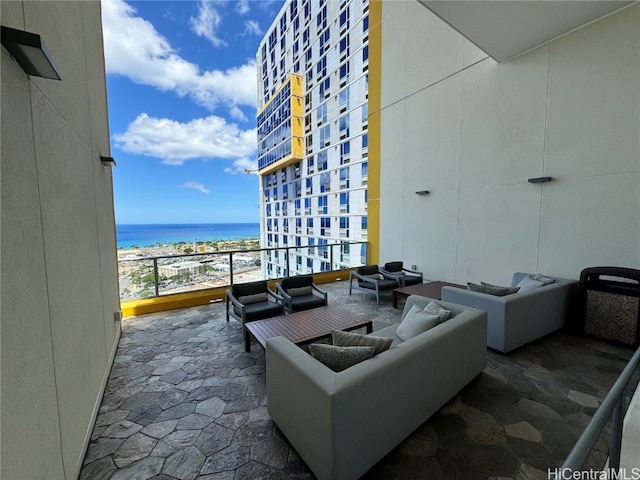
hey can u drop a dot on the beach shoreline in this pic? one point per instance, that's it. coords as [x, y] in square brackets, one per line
[182, 248]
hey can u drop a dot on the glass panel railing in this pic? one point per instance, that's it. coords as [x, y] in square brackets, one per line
[156, 276]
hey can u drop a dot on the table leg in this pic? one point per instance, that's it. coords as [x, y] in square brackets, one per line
[394, 297]
[247, 340]
[369, 327]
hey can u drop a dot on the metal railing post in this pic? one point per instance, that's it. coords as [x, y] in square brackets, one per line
[155, 277]
[287, 263]
[615, 440]
[331, 257]
[231, 268]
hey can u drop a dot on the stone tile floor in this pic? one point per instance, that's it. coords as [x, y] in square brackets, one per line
[184, 401]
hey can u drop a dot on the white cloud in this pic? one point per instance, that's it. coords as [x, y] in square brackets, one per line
[243, 165]
[195, 186]
[252, 27]
[242, 7]
[175, 142]
[207, 22]
[133, 48]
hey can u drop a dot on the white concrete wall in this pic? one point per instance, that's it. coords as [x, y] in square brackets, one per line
[59, 268]
[472, 132]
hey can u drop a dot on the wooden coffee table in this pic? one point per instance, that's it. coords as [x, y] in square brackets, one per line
[430, 290]
[305, 326]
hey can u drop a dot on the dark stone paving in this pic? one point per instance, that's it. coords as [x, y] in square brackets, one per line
[184, 401]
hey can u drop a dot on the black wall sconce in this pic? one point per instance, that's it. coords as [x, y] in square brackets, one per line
[30, 52]
[422, 192]
[108, 161]
[539, 180]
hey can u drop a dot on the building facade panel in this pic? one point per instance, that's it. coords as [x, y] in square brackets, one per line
[318, 198]
[60, 303]
[565, 110]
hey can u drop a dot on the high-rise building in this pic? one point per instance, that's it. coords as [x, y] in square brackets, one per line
[313, 136]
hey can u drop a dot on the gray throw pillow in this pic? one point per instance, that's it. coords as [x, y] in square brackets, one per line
[498, 290]
[416, 321]
[543, 279]
[348, 339]
[490, 289]
[255, 298]
[299, 291]
[339, 358]
[434, 309]
[529, 283]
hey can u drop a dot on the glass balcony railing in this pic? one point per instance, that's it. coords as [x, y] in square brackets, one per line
[157, 276]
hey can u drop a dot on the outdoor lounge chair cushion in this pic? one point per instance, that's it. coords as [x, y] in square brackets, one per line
[245, 289]
[255, 298]
[382, 284]
[369, 270]
[299, 291]
[306, 302]
[297, 282]
[411, 279]
[259, 310]
[393, 267]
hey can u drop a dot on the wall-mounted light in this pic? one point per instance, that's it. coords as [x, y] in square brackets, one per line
[30, 52]
[539, 180]
[108, 161]
[422, 192]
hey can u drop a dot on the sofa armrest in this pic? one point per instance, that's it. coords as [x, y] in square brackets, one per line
[300, 395]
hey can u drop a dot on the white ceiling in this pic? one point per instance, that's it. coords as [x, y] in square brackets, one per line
[508, 28]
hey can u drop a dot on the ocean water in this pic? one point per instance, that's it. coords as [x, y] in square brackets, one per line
[149, 235]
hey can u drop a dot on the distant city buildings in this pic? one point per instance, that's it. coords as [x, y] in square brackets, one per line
[180, 268]
[312, 136]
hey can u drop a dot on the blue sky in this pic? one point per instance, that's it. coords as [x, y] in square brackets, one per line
[181, 86]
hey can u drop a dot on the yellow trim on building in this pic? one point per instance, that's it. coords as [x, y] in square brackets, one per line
[296, 106]
[375, 88]
[296, 84]
[288, 160]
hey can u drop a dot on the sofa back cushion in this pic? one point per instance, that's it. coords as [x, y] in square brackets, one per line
[251, 288]
[300, 281]
[393, 266]
[255, 298]
[368, 270]
[299, 291]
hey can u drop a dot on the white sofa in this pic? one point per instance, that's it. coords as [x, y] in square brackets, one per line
[342, 424]
[517, 319]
